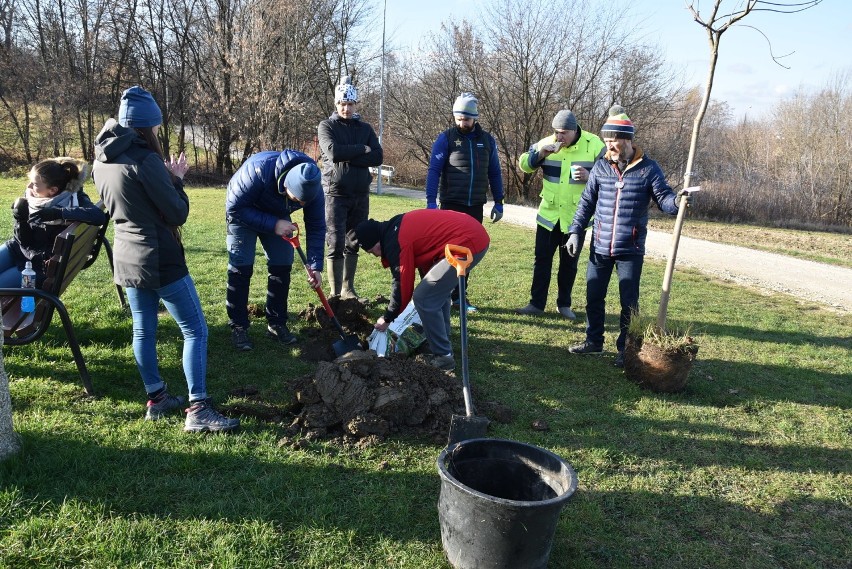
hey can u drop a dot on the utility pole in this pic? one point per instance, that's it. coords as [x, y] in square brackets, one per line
[382, 96]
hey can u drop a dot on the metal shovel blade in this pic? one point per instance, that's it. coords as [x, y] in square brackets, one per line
[466, 427]
[345, 345]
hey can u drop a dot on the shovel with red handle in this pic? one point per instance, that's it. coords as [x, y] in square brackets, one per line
[347, 342]
[468, 426]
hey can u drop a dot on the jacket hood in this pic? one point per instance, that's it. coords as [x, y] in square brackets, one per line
[114, 140]
[336, 117]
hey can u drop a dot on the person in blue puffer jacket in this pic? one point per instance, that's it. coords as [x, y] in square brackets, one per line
[618, 194]
[261, 197]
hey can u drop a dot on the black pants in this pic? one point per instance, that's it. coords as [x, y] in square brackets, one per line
[343, 214]
[547, 243]
[475, 211]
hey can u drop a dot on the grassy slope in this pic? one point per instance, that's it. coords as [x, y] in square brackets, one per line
[750, 467]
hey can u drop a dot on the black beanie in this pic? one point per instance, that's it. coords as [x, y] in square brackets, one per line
[368, 233]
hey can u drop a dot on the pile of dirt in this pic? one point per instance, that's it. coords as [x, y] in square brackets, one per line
[362, 395]
[360, 398]
[354, 317]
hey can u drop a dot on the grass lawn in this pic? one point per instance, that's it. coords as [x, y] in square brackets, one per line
[750, 467]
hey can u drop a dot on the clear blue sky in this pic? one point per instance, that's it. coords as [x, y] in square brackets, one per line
[746, 77]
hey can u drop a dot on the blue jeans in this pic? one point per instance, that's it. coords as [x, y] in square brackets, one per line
[181, 300]
[598, 273]
[10, 276]
[242, 245]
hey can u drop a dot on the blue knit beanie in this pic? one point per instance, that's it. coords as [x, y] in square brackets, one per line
[303, 181]
[466, 105]
[138, 109]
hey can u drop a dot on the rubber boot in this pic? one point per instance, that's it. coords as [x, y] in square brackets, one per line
[335, 275]
[347, 291]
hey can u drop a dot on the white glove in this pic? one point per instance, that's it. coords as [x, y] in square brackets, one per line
[573, 244]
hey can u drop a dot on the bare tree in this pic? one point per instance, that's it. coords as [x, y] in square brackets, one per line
[716, 22]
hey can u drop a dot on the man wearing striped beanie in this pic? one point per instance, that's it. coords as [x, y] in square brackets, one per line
[617, 195]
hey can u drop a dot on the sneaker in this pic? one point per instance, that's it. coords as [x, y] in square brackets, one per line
[281, 333]
[585, 348]
[203, 417]
[567, 312]
[619, 360]
[470, 308]
[446, 363]
[163, 405]
[529, 310]
[240, 339]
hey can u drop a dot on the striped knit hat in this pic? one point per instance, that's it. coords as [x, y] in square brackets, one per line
[618, 125]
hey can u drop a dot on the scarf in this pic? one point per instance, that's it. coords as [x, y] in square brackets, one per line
[62, 200]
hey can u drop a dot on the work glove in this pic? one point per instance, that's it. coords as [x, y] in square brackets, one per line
[431, 205]
[20, 210]
[573, 244]
[45, 215]
[497, 212]
[688, 198]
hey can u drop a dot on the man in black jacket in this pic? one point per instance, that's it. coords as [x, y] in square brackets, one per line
[349, 147]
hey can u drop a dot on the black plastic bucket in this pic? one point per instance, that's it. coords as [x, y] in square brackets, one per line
[500, 501]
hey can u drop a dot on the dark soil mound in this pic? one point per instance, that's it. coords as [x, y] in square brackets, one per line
[353, 316]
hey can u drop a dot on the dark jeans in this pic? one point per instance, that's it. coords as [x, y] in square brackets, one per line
[629, 270]
[343, 214]
[547, 243]
[475, 211]
[242, 243]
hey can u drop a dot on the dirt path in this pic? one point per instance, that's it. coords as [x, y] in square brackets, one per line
[817, 282]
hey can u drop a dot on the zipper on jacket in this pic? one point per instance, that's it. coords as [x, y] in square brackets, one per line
[472, 172]
[618, 187]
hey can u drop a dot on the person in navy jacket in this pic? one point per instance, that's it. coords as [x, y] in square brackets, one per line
[261, 197]
[618, 194]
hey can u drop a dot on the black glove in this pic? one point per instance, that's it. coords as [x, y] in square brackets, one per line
[46, 214]
[20, 210]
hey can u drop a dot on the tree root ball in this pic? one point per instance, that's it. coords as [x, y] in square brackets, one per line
[657, 369]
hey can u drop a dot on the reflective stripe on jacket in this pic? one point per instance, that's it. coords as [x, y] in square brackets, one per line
[560, 194]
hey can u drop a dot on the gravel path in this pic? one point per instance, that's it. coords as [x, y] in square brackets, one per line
[818, 282]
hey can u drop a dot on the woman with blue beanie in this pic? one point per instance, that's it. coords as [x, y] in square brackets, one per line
[144, 195]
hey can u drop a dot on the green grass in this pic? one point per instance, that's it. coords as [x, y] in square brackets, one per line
[750, 467]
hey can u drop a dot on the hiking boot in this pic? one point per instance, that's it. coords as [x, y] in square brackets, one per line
[162, 405]
[470, 308]
[619, 360]
[567, 312]
[240, 339]
[586, 348]
[281, 333]
[202, 417]
[446, 363]
[529, 310]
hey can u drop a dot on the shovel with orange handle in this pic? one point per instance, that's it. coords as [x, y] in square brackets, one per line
[468, 426]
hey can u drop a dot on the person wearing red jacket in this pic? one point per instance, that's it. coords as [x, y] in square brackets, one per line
[415, 242]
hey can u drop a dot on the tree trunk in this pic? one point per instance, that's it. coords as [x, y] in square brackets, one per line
[9, 442]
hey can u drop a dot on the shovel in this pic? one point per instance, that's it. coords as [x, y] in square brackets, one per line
[348, 342]
[468, 426]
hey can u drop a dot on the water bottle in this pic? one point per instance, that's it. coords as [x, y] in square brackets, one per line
[28, 280]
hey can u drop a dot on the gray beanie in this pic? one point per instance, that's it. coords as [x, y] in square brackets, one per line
[346, 91]
[565, 120]
[466, 105]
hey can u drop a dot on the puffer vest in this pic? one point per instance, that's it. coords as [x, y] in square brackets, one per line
[465, 179]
